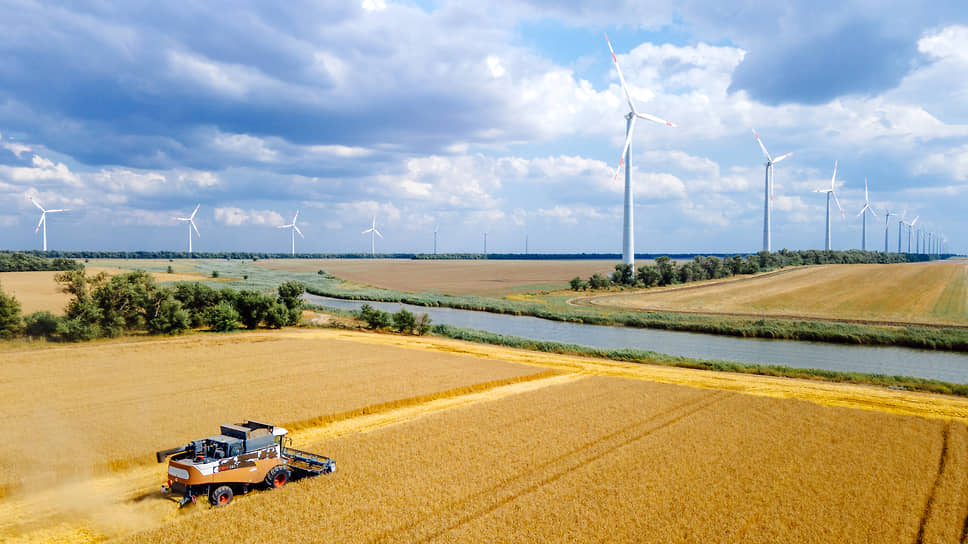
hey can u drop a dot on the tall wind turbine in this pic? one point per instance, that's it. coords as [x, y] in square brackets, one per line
[373, 234]
[867, 208]
[435, 239]
[910, 227]
[831, 191]
[887, 219]
[628, 240]
[768, 193]
[43, 218]
[191, 225]
[295, 229]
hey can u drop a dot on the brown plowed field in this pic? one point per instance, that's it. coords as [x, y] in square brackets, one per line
[934, 293]
[451, 277]
[444, 441]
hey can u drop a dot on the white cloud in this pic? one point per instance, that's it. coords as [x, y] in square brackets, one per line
[245, 145]
[235, 217]
[374, 5]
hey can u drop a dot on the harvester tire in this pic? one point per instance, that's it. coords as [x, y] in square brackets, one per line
[278, 476]
[221, 496]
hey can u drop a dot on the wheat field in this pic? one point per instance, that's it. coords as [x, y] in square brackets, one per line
[439, 440]
[932, 292]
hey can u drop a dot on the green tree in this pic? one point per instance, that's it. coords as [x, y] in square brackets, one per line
[278, 316]
[624, 274]
[423, 324]
[41, 324]
[374, 319]
[598, 281]
[252, 307]
[578, 284]
[648, 275]
[167, 315]
[123, 302]
[10, 320]
[222, 317]
[404, 321]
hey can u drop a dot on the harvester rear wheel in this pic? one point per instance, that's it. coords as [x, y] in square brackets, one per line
[221, 496]
[278, 476]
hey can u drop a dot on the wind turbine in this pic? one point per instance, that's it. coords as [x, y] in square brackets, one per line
[43, 218]
[628, 240]
[867, 208]
[768, 193]
[887, 218]
[373, 234]
[295, 229]
[830, 192]
[191, 225]
[900, 222]
[910, 227]
[435, 238]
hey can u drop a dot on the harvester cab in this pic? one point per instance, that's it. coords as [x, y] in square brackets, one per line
[250, 453]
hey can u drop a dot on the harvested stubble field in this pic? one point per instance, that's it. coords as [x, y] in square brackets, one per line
[599, 451]
[37, 291]
[931, 292]
[450, 277]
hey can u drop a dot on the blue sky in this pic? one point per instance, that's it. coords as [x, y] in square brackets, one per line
[506, 119]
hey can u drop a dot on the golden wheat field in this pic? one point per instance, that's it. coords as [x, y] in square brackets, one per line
[440, 440]
[37, 291]
[934, 292]
[452, 277]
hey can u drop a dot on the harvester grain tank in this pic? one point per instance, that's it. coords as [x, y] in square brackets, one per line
[241, 456]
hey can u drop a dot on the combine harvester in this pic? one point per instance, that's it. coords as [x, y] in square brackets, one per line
[243, 455]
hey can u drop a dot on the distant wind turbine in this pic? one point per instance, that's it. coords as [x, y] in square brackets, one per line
[294, 230]
[867, 208]
[910, 227]
[43, 218]
[373, 234]
[191, 225]
[435, 238]
[628, 240]
[887, 219]
[768, 193]
[900, 223]
[831, 191]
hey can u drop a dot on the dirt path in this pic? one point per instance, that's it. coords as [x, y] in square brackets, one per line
[110, 506]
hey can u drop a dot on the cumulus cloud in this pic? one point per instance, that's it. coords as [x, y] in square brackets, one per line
[235, 217]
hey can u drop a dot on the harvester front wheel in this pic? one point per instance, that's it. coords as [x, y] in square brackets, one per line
[221, 496]
[278, 476]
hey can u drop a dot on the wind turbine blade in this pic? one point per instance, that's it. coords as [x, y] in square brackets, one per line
[377, 233]
[366, 231]
[621, 78]
[298, 231]
[41, 208]
[192, 216]
[915, 221]
[192, 223]
[295, 217]
[655, 119]
[781, 157]
[628, 142]
[283, 226]
[834, 177]
[864, 209]
[61, 210]
[42, 216]
[838, 204]
[867, 198]
[763, 147]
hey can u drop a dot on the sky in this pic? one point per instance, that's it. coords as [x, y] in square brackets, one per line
[505, 118]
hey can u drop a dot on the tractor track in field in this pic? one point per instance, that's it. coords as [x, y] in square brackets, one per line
[485, 501]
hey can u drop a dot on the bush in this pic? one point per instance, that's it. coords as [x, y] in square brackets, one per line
[171, 270]
[78, 329]
[423, 324]
[9, 316]
[222, 317]
[374, 319]
[578, 284]
[278, 316]
[169, 316]
[253, 307]
[598, 281]
[404, 321]
[41, 324]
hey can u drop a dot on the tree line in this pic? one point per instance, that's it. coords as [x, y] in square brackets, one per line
[27, 262]
[104, 307]
[666, 271]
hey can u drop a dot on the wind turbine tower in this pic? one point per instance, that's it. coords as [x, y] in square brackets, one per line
[887, 218]
[867, 208]
[43, 218]
[485, 244]
[628, 239]
[435, 238]
[191, 225]
[768, 193]
[830, 192]
[910, 227]
[900, 222]
[373, 234]
[295, 229]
